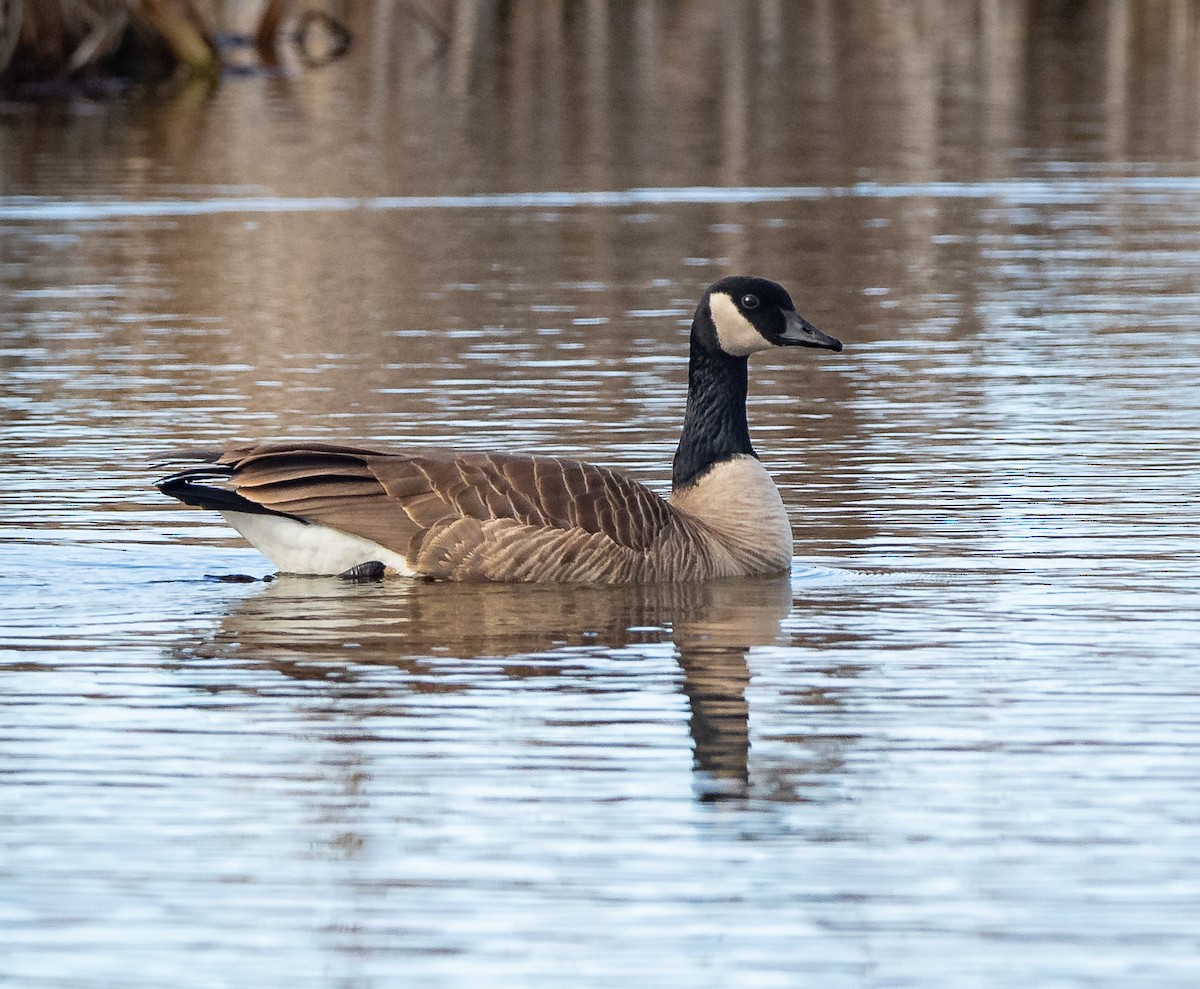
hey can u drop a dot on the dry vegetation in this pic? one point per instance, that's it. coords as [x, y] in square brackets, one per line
[59, 42]
[46, 40]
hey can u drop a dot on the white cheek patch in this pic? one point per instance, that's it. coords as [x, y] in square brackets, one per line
[735, 333]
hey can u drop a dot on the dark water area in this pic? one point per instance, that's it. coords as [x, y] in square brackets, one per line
[959, 746]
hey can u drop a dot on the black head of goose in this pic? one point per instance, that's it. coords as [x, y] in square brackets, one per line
[315, 508]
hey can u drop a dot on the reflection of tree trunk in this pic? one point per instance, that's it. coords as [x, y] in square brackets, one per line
[715, 682]
[10, 29]
[266, 37]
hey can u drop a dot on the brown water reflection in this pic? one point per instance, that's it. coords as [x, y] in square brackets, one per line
[313, 629]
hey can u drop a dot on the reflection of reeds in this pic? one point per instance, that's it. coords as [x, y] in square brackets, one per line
[52, 39]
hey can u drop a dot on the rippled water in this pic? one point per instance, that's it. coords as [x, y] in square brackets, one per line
[959, 747]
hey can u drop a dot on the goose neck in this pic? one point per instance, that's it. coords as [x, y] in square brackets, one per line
[714, 425]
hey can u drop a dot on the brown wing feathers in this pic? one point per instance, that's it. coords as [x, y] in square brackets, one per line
[495, 516]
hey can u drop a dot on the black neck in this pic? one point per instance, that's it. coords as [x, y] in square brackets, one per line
[714, 427]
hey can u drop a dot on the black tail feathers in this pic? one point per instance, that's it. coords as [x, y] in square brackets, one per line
[188, 487]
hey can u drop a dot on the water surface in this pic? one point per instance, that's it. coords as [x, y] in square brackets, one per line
[957, 747]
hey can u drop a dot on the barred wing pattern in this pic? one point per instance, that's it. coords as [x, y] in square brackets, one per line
[478, 516]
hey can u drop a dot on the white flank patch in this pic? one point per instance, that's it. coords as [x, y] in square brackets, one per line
[317, 550]
[735, 333]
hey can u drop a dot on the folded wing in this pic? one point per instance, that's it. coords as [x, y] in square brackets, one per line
[460, 516]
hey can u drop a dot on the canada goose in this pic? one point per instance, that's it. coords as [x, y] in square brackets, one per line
[315, 508]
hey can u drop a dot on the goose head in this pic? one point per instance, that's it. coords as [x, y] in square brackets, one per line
[742, 315]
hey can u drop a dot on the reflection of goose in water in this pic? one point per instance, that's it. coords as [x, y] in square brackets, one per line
[304, 627]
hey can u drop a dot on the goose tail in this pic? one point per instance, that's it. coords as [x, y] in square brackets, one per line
[192, 487]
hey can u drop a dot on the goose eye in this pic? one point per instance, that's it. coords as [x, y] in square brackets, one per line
[749, 301]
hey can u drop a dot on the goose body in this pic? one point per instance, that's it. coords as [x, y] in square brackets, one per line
[324, 509]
